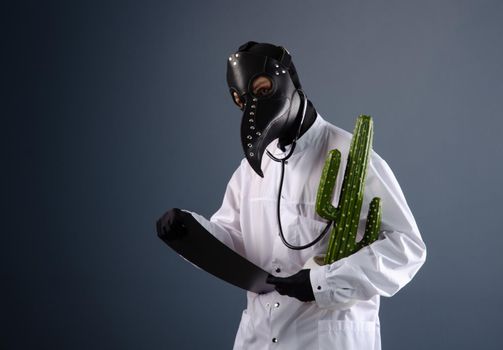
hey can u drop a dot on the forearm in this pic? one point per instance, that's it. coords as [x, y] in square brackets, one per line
[381, 268]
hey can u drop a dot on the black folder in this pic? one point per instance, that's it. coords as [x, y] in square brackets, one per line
[201, 248]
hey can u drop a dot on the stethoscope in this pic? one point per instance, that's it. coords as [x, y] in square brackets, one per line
[283, 161]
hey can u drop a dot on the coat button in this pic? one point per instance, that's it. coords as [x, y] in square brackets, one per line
[319, 287]
[278, 270]
[276, 305]
[274, 340]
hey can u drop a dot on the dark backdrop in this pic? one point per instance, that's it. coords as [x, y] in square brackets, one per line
[115, 111]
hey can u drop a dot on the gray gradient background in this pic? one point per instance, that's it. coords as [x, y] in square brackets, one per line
[116, 111]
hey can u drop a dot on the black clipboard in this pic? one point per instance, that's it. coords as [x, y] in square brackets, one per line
[201, 248]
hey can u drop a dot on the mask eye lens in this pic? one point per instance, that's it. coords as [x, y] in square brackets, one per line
[262, 92]
[262, 86]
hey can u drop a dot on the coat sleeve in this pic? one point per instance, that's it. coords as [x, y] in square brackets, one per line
[225, 223]
[383, 267]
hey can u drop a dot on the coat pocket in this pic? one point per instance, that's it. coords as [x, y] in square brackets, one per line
[346, 335]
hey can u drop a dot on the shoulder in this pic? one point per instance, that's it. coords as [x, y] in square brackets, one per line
[335, 132]
[334, 137]
[337, 137]
[243, 172]
[239, 173]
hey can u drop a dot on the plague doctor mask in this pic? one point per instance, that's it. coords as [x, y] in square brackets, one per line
[277, 112]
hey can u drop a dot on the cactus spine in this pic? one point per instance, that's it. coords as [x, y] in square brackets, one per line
[346, 216]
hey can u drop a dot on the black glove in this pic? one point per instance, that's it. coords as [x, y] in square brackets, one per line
[171, 225]
[296, 286]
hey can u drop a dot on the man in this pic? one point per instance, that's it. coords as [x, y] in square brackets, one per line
[333, 306]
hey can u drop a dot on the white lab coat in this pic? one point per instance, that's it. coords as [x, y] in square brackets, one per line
[247, 223]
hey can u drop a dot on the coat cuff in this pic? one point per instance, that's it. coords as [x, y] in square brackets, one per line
[329, 295]
[320, 287]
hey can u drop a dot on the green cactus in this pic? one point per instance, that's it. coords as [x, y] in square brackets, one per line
[346, 216]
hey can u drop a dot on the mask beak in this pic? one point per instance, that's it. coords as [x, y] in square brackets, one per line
[252, 141]
[258, 131]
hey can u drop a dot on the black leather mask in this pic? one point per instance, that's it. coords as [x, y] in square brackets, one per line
[269, 116]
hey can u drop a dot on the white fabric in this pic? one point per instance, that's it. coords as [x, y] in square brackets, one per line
[247, 223]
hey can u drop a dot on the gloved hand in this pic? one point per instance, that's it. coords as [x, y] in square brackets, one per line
[296, 286]
[171, 225]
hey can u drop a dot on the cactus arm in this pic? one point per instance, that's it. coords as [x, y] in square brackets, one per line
[324, 206]
[373, 224]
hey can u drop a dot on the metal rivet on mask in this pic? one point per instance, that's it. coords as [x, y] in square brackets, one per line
[230, 58]
[276, 65]
[237, 55]
[254, 99]
[250, 145]
[250, 120]
[251, 154]
[277, 73]
[249, 137]
[252, 127]
[234, 63]
[283, 71]
[252, 106]
[258, 133]
[252, 113]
